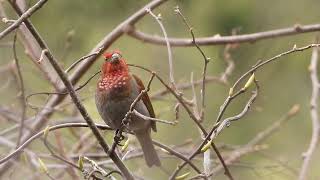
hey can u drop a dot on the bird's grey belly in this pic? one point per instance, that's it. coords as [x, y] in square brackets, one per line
[114, 112]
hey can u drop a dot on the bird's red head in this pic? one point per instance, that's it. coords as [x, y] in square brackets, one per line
[114, 64]
[115, 71]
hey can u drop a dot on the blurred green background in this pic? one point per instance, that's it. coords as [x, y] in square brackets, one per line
[283, 83]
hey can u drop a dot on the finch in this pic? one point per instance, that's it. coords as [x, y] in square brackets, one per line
[116, 90]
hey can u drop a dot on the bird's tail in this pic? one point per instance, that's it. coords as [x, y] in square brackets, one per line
[150, 154]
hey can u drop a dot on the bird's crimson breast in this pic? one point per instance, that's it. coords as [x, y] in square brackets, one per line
[115, 86]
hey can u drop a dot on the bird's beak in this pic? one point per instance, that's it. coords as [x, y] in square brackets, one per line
[115, 59]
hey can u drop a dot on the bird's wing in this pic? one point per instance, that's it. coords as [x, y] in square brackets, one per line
[146, 100]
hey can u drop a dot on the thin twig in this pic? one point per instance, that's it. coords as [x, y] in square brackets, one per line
[22, 91]
[59, 93]
[146, 118]
[205, 58]
[39, 134]
[314, 115]
[73, 65]
[158, 19]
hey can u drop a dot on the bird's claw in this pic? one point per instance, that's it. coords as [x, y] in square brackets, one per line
[118, 137]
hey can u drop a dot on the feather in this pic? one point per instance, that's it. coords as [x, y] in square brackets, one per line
[146, 100]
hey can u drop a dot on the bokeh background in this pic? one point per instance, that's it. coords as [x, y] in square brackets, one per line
[283, 83]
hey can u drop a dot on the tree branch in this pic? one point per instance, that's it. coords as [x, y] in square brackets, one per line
[314, 115]
[219, 40]
[23, 18]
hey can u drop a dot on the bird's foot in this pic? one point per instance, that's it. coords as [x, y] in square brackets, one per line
[118, 137]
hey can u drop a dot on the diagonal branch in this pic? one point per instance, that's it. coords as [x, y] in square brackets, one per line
[23, 18]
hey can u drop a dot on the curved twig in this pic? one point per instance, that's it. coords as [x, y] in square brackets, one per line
[39, 134]
[158, 19]
[22, 89]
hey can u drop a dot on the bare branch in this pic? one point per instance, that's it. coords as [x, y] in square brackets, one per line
[158, 19]
[146, 118]
[226, 123]
[206, 61]
[220, 40]
[314, 115]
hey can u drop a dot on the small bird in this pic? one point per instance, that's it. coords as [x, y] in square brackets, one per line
[116, 90]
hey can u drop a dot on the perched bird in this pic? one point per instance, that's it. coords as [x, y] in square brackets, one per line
[116, 90]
